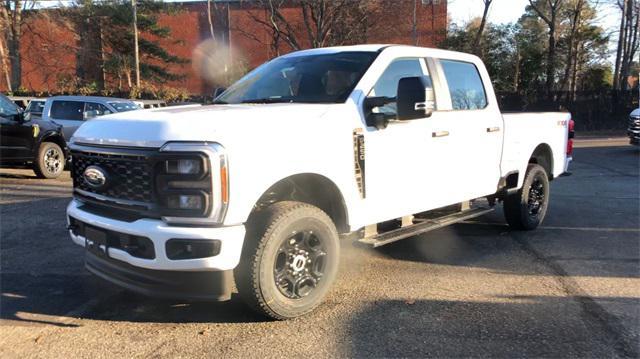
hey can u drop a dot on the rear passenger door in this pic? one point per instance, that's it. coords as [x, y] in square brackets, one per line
[474, 129]
[69, 114]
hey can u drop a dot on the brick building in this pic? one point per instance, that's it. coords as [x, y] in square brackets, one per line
[51, 50]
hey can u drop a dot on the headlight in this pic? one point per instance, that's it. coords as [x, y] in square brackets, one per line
[183, 166]
[186, 202]
[192, 183]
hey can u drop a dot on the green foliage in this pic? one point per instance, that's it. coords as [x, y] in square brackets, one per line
[516, 54]
[116, 21]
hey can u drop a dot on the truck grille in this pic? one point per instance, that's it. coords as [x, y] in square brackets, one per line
[129, 177]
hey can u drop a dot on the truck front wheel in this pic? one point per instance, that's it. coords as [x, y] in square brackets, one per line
[290, 259]
[50, 161]
[526, 208]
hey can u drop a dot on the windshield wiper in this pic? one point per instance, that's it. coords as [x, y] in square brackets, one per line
[218, 102]
[269, 100]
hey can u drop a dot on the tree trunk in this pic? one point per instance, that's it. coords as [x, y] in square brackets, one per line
[135, 40]
[13, 44]
[213, 35]
[5, 66]
[551, 54]
[616, 72]
[551, 57]
[476, 43]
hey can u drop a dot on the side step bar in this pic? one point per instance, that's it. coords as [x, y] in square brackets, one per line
[422, 226]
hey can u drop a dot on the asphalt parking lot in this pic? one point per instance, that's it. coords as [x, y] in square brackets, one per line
[569, 289]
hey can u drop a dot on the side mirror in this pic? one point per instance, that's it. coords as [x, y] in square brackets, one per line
[415, 98]
[20, 117]
[218, 91]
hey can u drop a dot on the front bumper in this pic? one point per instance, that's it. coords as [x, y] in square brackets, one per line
[231, 239]
[199, 286]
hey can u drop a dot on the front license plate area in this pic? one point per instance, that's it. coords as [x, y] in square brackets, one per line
[96, 241]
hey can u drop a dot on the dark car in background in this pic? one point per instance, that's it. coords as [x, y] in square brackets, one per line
[29, 142]
[71, 111]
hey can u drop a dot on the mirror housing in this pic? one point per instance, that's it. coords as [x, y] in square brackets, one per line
[415, 98]
[19, 117]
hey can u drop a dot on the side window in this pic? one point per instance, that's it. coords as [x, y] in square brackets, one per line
[465, 85]
[387, 84]
[7, 107]
[67, 110]
[92, 109]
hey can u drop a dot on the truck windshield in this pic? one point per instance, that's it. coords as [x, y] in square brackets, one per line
[323, 78]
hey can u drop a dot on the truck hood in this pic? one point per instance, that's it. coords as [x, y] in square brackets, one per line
[219, 123]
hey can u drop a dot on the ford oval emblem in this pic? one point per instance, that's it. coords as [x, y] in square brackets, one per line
[95, 177]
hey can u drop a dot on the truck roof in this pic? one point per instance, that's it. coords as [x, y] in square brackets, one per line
[87, 98]
[379, 47]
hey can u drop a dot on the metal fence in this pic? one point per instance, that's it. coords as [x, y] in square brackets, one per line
[592, 110]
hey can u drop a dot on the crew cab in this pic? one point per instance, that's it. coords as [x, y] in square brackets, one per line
[29, 142]
[368, 143]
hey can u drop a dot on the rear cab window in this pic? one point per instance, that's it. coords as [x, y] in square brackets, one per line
[67, 110]
[465, 85]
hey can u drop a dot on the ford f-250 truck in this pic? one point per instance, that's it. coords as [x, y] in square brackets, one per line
[368, 143]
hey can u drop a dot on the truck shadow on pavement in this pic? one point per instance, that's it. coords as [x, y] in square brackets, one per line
[43, 279]
[491, 245]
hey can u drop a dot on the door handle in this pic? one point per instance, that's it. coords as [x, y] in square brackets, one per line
[493, 129]
[440, 134]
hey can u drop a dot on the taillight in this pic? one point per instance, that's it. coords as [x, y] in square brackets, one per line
[572, 134]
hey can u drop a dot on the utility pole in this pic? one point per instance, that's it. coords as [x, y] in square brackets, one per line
[135, 39]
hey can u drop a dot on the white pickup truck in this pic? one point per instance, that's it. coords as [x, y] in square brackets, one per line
[367, 143]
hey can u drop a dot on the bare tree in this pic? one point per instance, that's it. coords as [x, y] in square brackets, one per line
[548, 11]
[476, 42]
[575, 19]
[628, 43]
[213, 35]
[324, 22]
[11, 14]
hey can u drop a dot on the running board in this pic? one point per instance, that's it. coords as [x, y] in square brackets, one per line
[423, 226]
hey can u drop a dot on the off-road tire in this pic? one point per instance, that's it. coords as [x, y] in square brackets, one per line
[267, 232]
[517, 205]
[43, 165]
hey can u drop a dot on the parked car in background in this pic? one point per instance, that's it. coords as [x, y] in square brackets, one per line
[72, 111]
[634, 127]
[146, 104]
[34, 108]
[30, 142]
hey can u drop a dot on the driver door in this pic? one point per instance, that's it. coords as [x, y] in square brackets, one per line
[401, 170]
[16, 136]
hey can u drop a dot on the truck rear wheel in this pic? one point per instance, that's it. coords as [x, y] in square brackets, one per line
[289, 261]
[526, 208]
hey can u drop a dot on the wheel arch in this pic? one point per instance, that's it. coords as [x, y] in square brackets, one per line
[311, 188]
[543, 156]
[56, 138]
